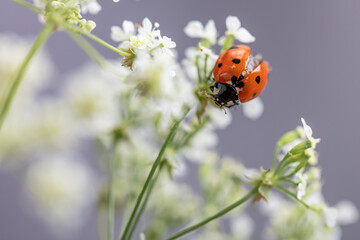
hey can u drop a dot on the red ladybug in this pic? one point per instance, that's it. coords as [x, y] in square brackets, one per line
[239, 76]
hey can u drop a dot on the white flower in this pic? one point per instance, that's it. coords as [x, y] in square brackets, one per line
[166, 44]
[347, 212]
[91, 6]
[219, 118]
[253, 109]
[62, 189]
[92, 99]
[195, 29]
[234, 28]
[207, 51]
[301, 187]
[121, 34]
[147, 31]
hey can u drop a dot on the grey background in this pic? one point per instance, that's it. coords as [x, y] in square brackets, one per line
[313, 48]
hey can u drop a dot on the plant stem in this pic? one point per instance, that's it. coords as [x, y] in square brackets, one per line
[88, 49]
[215, 216]
[292, 195]
[94, 54]
[105, 44]
[28, 5]
[111, 197]
[152, 172]
[40, 40]
[145, 202]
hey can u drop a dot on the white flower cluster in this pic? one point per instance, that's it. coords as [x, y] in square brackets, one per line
[142, 38]
[71, 11]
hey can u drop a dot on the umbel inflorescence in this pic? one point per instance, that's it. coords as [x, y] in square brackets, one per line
[150, 118]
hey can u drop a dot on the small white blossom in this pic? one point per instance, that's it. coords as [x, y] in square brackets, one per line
[91, 6]
[253, 109]
[347, 212]
[121, 34]
[195, 29]
[234, 28]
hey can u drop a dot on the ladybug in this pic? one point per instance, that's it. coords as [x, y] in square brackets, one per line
[240, 77]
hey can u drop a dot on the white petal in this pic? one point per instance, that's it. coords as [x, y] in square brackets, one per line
[347, 212]
[244, 36]
[147, 25]
[253, 109]
[128, 27]
[221, 40]
[210, 31]
[194, 29]
[117, 34]
[307, 129]
[219, 118]
[330, 215]
[233, 23]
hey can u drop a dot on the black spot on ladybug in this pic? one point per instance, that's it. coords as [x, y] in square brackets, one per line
[236, 60]
[253, 95]
[234, 47]
[240, 85]
[219, 65]
[241, 77]
[234, 80]
[257, 79]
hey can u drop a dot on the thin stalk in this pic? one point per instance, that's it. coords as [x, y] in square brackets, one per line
[215, 216]
[205, 67]
[198, 69]
[292, 195]
[40, 40]
[137, 219]
[105, 44]
[28, 5]
[152, 172]
[111, 196]
[209, 76]
[88, 49]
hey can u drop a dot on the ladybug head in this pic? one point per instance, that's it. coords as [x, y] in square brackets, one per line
[224, 95]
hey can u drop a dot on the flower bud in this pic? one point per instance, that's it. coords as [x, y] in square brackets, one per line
[90, 25]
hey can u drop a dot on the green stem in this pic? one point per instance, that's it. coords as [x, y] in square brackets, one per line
[29, 6]
[40, 40]
[88, 49]
[292, 195]
[208, 78]
[94, 54]
[198, 69]
[152, 172]
[215, 216]
[137, 219]
[105, 44]
[205, 67]
[229, 41]
[111, 196]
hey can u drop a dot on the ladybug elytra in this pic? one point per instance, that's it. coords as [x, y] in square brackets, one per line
[240, 77]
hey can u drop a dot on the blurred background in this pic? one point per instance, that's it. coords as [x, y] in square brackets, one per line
[313, 48]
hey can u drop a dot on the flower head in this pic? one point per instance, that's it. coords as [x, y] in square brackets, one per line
[234, 28]
[195, 29]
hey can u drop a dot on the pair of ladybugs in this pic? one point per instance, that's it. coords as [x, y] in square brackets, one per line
[239, 76]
